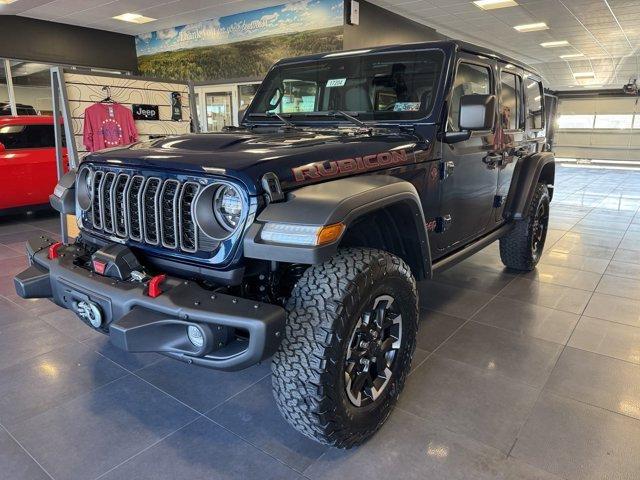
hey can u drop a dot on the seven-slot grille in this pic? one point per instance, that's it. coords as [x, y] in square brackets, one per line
[145, 209]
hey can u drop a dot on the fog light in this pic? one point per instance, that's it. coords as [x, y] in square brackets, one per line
[195, 335]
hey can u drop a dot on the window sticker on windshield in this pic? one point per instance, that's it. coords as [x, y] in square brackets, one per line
[336, 82]
[406, 106]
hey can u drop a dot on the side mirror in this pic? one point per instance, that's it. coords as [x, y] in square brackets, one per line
[2, 147]
[477, 112]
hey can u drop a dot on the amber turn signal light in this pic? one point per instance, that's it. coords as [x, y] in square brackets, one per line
[330, 233]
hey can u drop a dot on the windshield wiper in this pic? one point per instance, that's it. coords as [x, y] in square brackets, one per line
[288, 123]
[351, 118]
[345, 115]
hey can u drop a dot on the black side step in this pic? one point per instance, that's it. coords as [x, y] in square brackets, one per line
[465, 252]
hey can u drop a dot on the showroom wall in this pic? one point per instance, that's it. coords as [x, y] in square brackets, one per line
[30, 39]
[599, 127]
[381, 27]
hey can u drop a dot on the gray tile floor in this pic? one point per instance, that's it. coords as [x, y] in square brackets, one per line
[532, 376]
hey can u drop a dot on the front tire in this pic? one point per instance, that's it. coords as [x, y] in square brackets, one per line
[350, 336]
[522, 247]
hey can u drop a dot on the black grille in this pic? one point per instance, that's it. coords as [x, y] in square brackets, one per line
[150, 218]
[187, 226]
[119, 207]
[145, 209]
[106, 191]
[169, 212]
[133, 207]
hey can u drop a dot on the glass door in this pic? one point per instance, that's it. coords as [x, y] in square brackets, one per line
[218, 107]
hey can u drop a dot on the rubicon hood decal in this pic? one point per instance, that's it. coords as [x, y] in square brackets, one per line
[346, 166]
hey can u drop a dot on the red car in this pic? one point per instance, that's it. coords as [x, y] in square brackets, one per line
[27, 161]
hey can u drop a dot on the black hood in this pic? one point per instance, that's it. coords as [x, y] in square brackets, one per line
[246, 156]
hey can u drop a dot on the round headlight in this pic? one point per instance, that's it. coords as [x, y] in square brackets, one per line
[219, 210]
[84, 188]
[227, 206]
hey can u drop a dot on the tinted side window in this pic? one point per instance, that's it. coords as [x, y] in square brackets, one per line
[470, 79]
[534, 113]
[509, 101]
[27, 136]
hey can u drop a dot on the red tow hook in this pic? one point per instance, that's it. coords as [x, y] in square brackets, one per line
[53, 250]
[154, 285]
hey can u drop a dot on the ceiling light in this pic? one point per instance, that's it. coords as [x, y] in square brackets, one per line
[7, 2]
[493, 4]
[572, 55]
[134, 18]
[531, 27]
[584, 75]
[559, 43]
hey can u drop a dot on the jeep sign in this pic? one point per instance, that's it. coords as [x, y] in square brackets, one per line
[145, 112]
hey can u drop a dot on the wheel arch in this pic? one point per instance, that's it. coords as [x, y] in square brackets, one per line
[531, 169]
[356, 202]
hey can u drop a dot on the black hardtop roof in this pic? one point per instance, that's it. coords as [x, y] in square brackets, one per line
[446, 45]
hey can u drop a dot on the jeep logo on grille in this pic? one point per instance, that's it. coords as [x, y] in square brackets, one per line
[346, 166]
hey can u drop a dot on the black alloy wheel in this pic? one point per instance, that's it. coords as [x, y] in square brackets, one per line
[539, 230]
[372, 351]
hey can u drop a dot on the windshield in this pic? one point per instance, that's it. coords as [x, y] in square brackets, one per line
[382, 86]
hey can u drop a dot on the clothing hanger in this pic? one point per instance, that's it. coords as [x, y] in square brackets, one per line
[108, 98]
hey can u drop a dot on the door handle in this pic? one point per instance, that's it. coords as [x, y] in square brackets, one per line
[446, 169]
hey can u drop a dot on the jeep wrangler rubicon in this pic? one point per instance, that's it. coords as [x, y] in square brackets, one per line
[299, 236]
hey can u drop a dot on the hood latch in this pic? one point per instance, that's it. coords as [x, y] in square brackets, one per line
[271, 185]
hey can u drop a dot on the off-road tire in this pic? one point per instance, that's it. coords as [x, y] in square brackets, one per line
[308, 369]
[516, 251]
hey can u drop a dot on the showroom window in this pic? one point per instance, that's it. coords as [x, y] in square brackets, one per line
[614, 121]
[245, 95]
[509, 104]
[575, 121]
[31, 87]
[599, 122]
[470, 79]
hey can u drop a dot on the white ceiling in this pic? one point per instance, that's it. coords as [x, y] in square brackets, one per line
[607, 32]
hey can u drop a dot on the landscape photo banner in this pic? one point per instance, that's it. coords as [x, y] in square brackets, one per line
[282, 19]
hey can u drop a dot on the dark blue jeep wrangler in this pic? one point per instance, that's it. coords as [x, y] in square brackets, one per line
[300, 235]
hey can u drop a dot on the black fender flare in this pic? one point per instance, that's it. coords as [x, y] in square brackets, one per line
[529, 170]
[343, 200]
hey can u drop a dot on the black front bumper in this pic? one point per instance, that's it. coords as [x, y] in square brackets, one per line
[136, 322]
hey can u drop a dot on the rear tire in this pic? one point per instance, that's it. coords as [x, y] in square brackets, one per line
[351, 323]
[522, 247]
